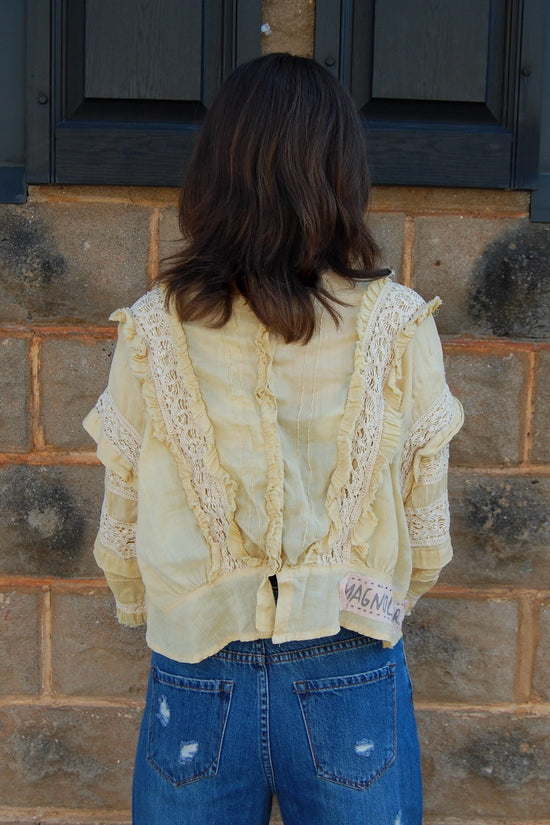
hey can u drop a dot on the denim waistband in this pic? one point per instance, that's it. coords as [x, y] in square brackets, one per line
[264, 650]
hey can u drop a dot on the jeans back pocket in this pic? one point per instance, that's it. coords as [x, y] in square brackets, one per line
[187, 720]
[350, 723]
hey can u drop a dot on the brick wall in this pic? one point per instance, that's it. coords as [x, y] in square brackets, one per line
[73, 681]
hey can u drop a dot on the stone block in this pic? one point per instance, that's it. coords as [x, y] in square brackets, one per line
[478, 766]
[388, 231]
[14, 393]
[491, 274]
[71, 262]
[462, 651]
[73, 373]
[75, 756]
[485, 382]
[19, 643]
[541, 432]
[541, 670]
[500, 529]
[292, 26]
[92, 654]
[170, 239]
[48, 520]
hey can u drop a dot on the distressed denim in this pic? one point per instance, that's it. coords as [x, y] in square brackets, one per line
[326, 724]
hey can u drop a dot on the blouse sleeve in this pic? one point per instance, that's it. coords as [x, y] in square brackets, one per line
[116, 424]
[435, 417]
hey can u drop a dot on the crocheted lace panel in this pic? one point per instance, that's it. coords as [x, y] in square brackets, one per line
[433, 469]
[436, 418]
[115, 484]
[187, 438]
[429, 525]
[118, 430]
[119, 537]
[394, 308]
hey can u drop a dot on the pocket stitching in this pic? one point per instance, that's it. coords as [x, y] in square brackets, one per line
[223, 688]
[304, 692]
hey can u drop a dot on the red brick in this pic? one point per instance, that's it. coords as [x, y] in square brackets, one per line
[462, 651]
[19, 643]
[500, 529]
[73, 373]
[14, 392]
[92, 654]
[480, 381]
[477, 766]
[70, 262]
[78, 757]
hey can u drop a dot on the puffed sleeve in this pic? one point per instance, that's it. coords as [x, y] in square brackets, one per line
[434, 417]
[117, 423]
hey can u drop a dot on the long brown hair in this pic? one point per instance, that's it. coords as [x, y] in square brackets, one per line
[275, 195]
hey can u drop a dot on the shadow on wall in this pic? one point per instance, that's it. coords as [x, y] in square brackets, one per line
[511, 284]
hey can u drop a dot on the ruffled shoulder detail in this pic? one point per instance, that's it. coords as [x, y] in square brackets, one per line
[160, 359]
[371, 427]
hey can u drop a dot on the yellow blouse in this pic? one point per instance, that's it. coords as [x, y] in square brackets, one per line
[231, 457]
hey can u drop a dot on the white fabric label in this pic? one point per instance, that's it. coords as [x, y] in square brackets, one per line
[371, 598]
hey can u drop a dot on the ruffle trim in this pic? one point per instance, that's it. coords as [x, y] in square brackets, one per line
[371, 428]
[274, 495]
[160, 361]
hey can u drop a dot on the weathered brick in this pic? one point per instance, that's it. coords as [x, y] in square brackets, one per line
[511, 284]
[92, 654]
[14, 392]
[448, 251]
[388, 231]
[462, 651]
[73, 373]
[48, 520]
[480, 381]
[541, 671]
[80, 757]
[500, 529]
[19, 642]
[477, 766]
[67, 262]
[170, 239]
[292, 26]
[541, 432]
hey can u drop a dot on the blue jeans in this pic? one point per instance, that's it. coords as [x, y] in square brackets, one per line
[326, 724]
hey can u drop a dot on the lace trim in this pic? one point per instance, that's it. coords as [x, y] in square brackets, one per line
[433, 469]
[438, 417]
[186, 437]
[394, 308]
[118, 430]
[115, 484]
[119, 537]
[429, 525]
[274, 501]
